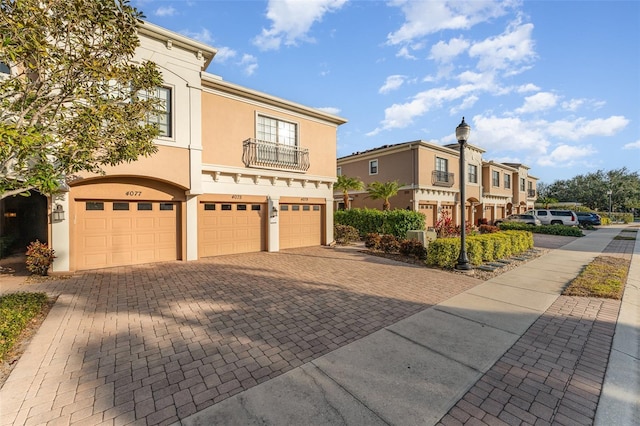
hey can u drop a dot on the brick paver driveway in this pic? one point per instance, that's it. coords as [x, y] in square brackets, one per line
[153, 344]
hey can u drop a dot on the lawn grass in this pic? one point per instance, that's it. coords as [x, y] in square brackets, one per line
[604, 277]
[17, 312]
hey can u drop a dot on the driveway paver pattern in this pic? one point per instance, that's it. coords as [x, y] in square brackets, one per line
[152, 344]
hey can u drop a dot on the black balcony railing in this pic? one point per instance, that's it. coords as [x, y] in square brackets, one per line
[439, 178]
[257, 153]
[531, 193]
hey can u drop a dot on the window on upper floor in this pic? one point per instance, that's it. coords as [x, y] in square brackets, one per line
[162, 115]
[276, 131]
[339, 171]
[522, 183]
[495, 178]
[472, 171]
[507, 181]
[373, 167]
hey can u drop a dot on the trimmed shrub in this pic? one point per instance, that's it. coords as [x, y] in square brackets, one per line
[345, 234]
[389, 244]
[39, 258]
[395, 222]
[413, 248]
[372, 241]
[444, 252]
[568, 231]
[488, 229]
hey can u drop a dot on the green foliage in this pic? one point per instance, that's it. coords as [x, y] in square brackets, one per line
[346, 184]
[67, 105]
[591, 190]
[568, 231]
[6, 242]
[444, 252]
[395, 222]
[616, 218]
[383, 191]
[345, 234]
[16, 311]
[39, 258]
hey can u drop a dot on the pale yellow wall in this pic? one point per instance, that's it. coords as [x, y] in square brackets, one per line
[487, 180]
[427, 159]
[228, 122]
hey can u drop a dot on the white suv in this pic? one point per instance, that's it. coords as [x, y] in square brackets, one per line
[555, 217]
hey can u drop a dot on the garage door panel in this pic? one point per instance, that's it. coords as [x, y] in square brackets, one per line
[300, 226]
[108, 238]
[239, 228]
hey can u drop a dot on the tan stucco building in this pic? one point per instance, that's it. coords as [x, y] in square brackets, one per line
[237, 171]
[429, 180]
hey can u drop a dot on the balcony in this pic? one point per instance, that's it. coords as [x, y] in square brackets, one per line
[531, 193]
[270, 155]
[439, 178]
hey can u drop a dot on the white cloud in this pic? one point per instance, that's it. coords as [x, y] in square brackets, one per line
[250, 64]
[566, 156]
[291, 20]
[507, 51]
[404, 53]
[581, 128]
[224, 54]
[539, 102]
[204, 35]
[527, 88]
[573, 104]
[393, 82]
[467, 103]
[632, 145]
[427, 17]
[166, 11]
[446, 52]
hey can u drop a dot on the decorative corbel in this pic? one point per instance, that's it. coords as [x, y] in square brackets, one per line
[169, 44]
[256, 179]
[274, 179]
[236, 177]
[216, 176]
[304, 183]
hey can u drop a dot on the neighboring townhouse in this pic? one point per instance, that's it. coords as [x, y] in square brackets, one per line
[429, 175]
[236, 171]
[525, 195]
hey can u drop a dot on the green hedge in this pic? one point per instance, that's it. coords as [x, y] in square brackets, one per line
[16, 312]
[568, 231]
[444, 252]
[367, 221]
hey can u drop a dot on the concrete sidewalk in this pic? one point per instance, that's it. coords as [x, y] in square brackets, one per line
[419, 369]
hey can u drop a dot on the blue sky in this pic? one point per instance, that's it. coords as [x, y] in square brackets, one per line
[551, 84]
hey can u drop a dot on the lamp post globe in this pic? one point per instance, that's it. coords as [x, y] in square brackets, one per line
[462, 135]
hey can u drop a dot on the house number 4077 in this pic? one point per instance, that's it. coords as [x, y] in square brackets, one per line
[133, 193]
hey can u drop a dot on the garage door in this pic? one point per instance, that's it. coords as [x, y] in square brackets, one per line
[229, 228]
[300, 225]
[115, 233]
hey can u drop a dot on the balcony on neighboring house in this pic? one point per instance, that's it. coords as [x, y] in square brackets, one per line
[270, 155]
[531, 193]
[439, 178]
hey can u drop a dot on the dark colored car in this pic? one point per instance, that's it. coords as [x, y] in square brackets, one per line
[586, 218]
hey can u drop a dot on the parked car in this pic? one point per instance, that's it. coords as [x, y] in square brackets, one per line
[529, 219]
[555, 217]
[586, 218]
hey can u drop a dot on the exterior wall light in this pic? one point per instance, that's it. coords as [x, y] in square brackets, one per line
[57, 215]
[274, 212]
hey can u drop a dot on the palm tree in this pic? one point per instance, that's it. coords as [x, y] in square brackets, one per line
[383, 191]
[346, 184]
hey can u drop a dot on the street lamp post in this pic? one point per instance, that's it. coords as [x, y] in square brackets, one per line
[462, 135]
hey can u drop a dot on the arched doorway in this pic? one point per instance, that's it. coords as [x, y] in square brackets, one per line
[24, 219]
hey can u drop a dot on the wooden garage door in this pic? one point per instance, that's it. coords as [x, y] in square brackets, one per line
[116, 233]
[229, 228]
[300, 225]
